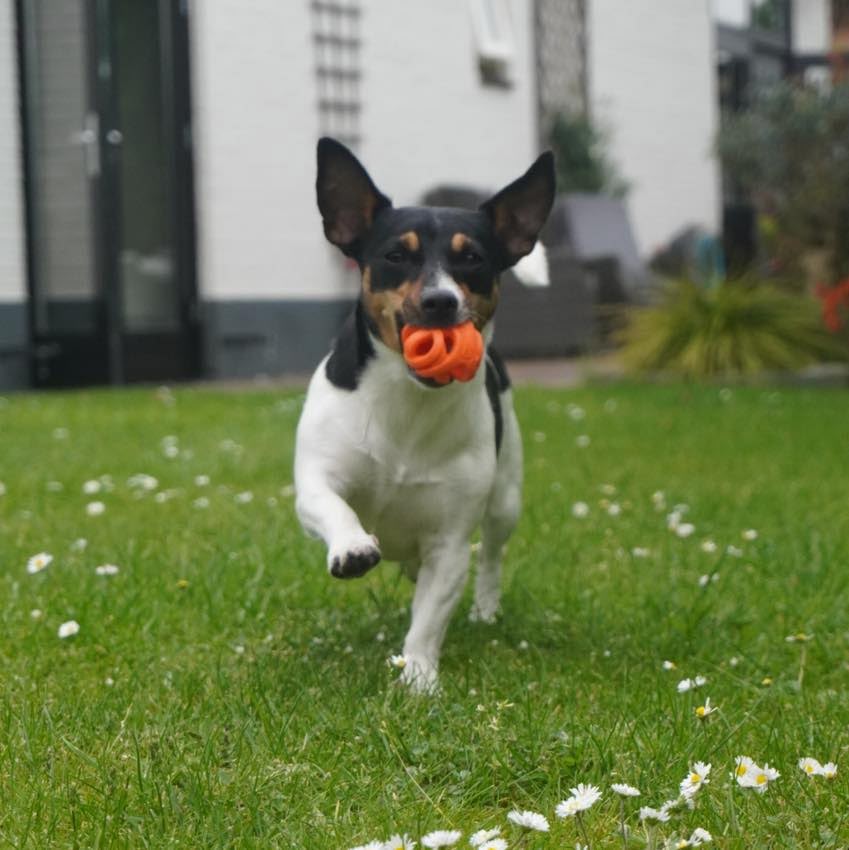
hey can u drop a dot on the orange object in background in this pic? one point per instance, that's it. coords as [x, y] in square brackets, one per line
[443, 354]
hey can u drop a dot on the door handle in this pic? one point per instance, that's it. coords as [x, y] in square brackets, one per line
[89, 139]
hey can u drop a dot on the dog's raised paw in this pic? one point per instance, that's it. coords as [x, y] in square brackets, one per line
[355, 559]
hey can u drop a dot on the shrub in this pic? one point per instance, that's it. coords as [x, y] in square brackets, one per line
[730, 328]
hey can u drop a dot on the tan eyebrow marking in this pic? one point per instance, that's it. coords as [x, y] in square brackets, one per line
[459, 241]
[410, 240]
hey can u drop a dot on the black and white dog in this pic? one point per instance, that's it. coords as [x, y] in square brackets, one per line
[388, 464]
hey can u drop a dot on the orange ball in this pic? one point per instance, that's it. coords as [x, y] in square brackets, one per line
[443, 354]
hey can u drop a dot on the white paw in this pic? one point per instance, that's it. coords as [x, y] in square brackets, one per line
[420, 675]
[353, 557]
[484, 611]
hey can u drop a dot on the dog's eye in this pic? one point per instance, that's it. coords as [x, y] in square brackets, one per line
[471, 258]
[395, 256]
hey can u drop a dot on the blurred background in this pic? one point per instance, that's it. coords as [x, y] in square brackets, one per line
[157, 211]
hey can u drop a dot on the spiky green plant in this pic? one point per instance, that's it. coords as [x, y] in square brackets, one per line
[731, 328]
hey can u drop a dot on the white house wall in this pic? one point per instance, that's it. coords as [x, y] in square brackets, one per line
[651, 70]
[426, 119]
[810, 26]
[12, 280]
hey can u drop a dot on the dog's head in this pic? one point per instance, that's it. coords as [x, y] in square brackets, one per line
[428, 266]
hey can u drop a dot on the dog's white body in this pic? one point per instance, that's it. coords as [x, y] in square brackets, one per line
[417, 469]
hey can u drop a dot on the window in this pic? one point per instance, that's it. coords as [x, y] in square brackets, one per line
[494, 41]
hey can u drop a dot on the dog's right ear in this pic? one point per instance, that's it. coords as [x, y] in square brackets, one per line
[347, 197]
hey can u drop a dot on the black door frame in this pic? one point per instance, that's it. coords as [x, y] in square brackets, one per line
[110, 340]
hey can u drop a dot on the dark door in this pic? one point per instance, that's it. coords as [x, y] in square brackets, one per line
[110, 214]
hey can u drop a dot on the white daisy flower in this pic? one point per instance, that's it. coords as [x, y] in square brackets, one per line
[751, 775]
[244, 498]
[658, 499]
[749, 534]
[52, 487]
[106, 570]
[694, 780]
[810, 766]
[60, 433]
[95, 508]
[799, 637]
[142, 481]
[734, 661]
[583, 796]
[829, 770]
[372, 845]
[673, 520]
[91, 487]
[614, 509]
[397, 661]
[700, 836]
[109, 681]
[704, 580]
[36, 613]
[699, 681]
[493, 844]
[529, 820]
[399, 842]
[641, 552]
[649, 813]
[690, 684]
[483, 835]
[576, 413]
[705, 710]
[2, 489]
[441, 838]
[201, 503]
[39, 562]
[79, 545]
[608, 489]
[685, 529]
[625, 790]
[734, 552]
[580, 510]
[709, 546]
[669, 665]
[68, 629]
[582, 441]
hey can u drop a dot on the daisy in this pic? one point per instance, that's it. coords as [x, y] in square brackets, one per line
[493, 844]
[709, 546]
[68, 629]
[673, 520]
[529, 820]
[694, 780]
[704, 711]
[372, 845]
[829, 770]
[582, 441]
[689, 684]
[685, 529]
[583, 797]
[576, 413]
[751, 775]
[580, 510]
[810, 766]
[400, 842]
[39, 562]
[699, 681]
[2, 489]
[799, 637]
[625, 790]
[669, 665]
[142, 482]
[106, 570]
[95, 508]
[648, 813]
[749, 534]
[441, 838]
[201, 480]
[658, 499]
[641, 552]
[397, 661]
[476, 839]
[700, 836]
[79, 545]
[36, 613]
[92, 487]
[734, 552]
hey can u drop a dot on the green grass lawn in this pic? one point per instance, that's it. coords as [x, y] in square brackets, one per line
[224, 691]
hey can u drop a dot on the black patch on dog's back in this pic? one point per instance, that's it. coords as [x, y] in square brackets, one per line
[351, 351]
[497, 381]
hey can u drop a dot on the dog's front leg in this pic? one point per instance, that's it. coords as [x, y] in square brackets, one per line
[351, 550]
[439, 586]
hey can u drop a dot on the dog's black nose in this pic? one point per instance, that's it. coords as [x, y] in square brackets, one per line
[439, 306]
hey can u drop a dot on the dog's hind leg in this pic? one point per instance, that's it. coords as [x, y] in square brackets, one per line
[500, 518]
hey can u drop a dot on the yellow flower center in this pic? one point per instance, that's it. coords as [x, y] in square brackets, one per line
[694, 777]
[761, 779]
[809, 768]
[741, 769]
[701, 711]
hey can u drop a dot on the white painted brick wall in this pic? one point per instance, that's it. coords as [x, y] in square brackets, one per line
[652, 76]
[426, 119]
[12, 280]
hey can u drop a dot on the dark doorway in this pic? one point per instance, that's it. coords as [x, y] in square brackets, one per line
[110, 216]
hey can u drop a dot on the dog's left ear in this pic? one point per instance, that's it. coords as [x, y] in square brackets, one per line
[347, 197]
[519, 211]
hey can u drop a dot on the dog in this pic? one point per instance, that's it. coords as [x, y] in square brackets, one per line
[392, 465]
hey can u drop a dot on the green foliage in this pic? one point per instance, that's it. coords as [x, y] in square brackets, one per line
[581, 160]
[731, 328]
[789, 154]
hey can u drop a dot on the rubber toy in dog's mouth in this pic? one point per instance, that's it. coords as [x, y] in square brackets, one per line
[443, 354]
